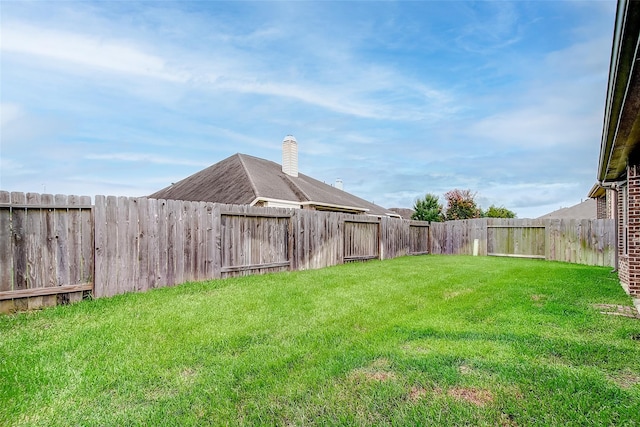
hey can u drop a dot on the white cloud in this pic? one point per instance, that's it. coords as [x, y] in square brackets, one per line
[88, 51]
[9, 113]
[493, 29]
[373, 92]
[146, 158]
[536, 127]
[561, 105]
[19, 125]
[12, 168]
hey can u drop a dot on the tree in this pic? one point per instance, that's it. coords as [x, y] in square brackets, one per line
[428, 209]
[499, 212]
[461, 204]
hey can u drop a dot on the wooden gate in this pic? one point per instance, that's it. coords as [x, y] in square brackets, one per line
[418, 238]
[516, 241]
[361, 240]
[255, 242]
[46, 249]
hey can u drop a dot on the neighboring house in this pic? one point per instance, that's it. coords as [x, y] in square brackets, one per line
[619, 162]
[584, 210]
[405, 213]
[246, 180]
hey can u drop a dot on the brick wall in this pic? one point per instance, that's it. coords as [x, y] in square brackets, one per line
[611, 203]
[633, 232]
[623, 262]
[601, 207]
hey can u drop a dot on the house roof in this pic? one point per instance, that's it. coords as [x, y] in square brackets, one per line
[244, 180]
[405, 213]
[621, 129]
[583, 210]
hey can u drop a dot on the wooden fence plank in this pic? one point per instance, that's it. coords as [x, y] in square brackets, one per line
[122, 245]
[6, 251]
[49, 252]
[75, 248]
[217, 241]
[100, 235]
[198, 241]
[168, 211]
[33, 230]
[112, 267]
[61, 224]
[20, 248]
[6, 244]
[201, 242]
[35, 266]
[143, 244]
[153, 243]
[88, 242]
[187, 248]
[133, 241]
[63, 253]
[179, 247]
[74, 240]
[209, 242]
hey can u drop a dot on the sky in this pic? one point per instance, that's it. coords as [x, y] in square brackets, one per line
[395, 98]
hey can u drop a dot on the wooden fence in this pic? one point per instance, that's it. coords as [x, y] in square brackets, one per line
[46, 249]
[55, 248]
[591, 242]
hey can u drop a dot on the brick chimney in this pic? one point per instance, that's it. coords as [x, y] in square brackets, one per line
[290, 156]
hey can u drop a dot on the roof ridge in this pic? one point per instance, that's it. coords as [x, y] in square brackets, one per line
[295, 187]
[246, 172]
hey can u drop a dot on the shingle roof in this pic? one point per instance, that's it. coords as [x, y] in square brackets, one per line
[405, 213]
[241, 179]
[583, 210]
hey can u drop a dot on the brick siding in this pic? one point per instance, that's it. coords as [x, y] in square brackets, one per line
[601, 207]
[633, 233]
[623, 262]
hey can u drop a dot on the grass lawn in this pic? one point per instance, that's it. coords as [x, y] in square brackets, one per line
[431, 340]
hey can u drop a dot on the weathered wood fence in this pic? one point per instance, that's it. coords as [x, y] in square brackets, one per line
[591, 242]
[46, 249]
[55, 248]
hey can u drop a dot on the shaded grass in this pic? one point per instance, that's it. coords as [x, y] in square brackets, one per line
[416, 340]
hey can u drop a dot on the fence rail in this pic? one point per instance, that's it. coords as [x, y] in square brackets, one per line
[53, 249]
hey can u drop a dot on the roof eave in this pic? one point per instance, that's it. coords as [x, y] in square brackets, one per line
[597, 191]
[621, 108]
[333, 207]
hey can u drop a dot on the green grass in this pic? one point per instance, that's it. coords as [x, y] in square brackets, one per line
[430, 340]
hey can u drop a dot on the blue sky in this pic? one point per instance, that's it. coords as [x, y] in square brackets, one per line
[397, 99]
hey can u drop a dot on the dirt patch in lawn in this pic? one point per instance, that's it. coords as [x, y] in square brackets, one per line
[538, 300]
[465, 369]
[453, 294]
[417, 393]
[474, 396]
[378, 370]
[618, 310]
[626, 379]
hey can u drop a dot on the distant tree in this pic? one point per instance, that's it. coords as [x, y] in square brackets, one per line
[428, 209]
[498, 212]
[461, 204]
